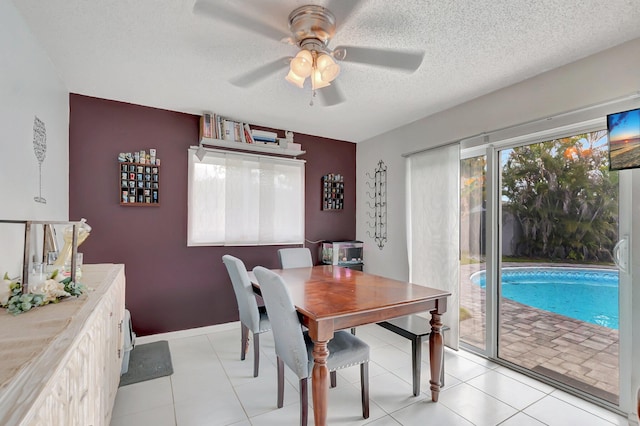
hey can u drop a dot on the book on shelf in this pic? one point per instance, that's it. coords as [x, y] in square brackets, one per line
[247, 133]
[217, 126]
[243, 136]
[272, 136]
[238, 132]
[266, 140]
[227, 130]
[206, 125]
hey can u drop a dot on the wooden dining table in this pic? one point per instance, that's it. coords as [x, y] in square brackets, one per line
[330, 298]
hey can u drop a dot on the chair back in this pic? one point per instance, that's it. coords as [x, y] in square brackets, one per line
[247, 304]
[299, 257]
[285, 325]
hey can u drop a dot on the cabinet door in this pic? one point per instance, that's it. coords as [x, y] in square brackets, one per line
[82, 391]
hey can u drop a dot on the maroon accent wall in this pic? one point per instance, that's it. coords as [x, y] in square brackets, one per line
[171, 286]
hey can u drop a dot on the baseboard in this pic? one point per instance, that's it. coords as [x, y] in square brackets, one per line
[188, 333]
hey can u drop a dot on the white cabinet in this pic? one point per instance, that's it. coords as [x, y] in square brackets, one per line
[63, 364]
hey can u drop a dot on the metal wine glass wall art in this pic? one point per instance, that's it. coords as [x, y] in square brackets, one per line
[40, 149]
[378, 204]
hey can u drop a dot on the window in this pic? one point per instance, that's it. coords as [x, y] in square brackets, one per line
[245, 199]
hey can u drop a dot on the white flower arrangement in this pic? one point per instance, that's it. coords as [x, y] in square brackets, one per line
[52, 290]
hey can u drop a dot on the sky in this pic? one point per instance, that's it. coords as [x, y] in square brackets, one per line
[624, 125]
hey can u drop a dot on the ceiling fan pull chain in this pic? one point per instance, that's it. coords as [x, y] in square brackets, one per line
[313, 95]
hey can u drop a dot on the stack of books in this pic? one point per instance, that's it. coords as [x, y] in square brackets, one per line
[214, 126]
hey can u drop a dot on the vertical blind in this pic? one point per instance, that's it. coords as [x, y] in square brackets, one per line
[245, 199]
[433, 226]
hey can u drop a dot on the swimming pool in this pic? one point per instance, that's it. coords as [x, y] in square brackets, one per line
[589, 295]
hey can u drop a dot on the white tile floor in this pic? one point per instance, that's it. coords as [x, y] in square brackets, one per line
[211, 386]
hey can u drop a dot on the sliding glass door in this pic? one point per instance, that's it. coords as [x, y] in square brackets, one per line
[473, 249]
[541, 289]
[558, 305]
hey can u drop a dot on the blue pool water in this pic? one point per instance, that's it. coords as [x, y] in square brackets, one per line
[589, 295]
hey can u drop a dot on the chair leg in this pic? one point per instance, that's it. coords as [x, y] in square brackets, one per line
[244, 341]
[334, 378]
[280, 382]
[256, 353]
[304, 402]
[416, 363]
[364, 385]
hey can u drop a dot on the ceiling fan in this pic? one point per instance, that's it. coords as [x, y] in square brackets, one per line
[311, 28]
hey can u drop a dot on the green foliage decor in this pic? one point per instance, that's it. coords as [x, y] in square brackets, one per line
[55, 288]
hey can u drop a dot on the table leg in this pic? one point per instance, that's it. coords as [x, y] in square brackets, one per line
[638, 405]
[320, 383]
[435, 355]
[416, 363]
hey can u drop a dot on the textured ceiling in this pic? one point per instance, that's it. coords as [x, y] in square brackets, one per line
[166, 54]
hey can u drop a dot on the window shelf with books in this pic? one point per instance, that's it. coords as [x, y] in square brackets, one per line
[269, 148]
[221, 132]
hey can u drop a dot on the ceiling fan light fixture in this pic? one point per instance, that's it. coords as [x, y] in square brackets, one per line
[302, 64]
[328, 68]
[316, 80]
[295, 79]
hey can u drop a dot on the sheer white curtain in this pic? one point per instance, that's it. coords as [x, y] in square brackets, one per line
[245, 199]
[433, 226]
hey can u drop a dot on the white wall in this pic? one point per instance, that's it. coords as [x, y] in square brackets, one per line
[29, 87]
[608, 75]
[600, 78]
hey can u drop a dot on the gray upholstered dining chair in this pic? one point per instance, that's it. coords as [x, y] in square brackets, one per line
[345, 350]
[254, 319]
[297, 257]
[300, 257]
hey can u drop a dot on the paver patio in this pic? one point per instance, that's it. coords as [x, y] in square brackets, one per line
[571, 351]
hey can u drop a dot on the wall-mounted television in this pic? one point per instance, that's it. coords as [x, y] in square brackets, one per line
[624, 139]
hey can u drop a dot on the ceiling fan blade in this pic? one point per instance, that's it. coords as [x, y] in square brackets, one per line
[331, 95]
[342, 10]
[388, 58]
[260, 73]
[223, 13]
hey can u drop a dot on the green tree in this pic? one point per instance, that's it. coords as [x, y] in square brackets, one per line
[564, 197]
